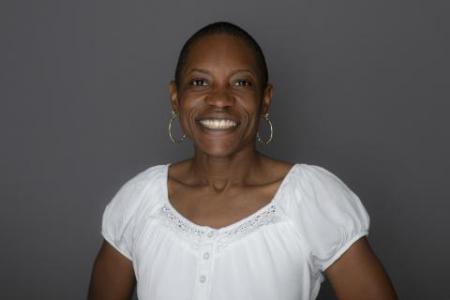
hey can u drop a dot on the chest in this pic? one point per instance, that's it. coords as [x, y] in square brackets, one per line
[209, 208]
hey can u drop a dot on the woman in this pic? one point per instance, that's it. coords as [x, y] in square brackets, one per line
[232, 223]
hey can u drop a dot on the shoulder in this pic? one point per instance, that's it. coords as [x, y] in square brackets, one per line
[144, 177]
[324, 189]
[312, 174]
[316, 189]
[314, 182]
[129, 194]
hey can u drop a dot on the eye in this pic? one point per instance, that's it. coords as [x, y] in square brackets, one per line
[199, 82]
[242, 82]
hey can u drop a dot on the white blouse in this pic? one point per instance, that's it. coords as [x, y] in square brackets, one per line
[278, 252]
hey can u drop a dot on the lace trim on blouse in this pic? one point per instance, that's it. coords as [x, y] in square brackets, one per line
[223, 236]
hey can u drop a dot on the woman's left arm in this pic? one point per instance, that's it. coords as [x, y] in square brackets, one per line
[358, 274]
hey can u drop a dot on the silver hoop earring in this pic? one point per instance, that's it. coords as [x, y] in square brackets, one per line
[266, 117]
[172, 118]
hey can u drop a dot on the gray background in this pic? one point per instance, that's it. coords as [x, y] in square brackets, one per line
[361, 88]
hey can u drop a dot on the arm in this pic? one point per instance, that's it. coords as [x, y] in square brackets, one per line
[358, 274]
[112, 276]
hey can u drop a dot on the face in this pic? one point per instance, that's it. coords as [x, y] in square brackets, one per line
[219, 98]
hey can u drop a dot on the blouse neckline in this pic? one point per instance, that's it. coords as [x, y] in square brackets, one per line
[204, 228]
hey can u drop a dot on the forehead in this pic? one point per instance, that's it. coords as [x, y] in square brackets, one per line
[221, 52]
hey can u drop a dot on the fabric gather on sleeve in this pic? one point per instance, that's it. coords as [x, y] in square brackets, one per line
[328, 215]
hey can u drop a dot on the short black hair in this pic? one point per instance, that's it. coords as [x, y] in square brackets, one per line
[223, 28]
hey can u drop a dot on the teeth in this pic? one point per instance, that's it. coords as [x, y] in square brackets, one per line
[218, 124]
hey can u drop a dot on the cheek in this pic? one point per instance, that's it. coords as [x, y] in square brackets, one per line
[188, 109]
[250, 108]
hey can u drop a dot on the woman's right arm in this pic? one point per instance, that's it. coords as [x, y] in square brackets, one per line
[112, 276]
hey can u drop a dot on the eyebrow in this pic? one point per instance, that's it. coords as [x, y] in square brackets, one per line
[198, 70]
[234, 72]
[244, 71]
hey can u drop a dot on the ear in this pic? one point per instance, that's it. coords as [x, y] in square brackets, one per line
[173, 92]
[267, 99]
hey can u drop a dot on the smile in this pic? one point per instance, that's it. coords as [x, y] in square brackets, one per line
[218, 124]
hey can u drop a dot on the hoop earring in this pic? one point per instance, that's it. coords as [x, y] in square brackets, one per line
[266, 117]
[172, 118]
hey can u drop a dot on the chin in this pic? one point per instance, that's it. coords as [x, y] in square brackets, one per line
[217, 150]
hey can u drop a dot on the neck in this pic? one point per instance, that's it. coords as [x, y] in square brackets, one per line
[221, 172]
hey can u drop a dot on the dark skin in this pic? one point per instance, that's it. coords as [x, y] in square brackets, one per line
[227, 179]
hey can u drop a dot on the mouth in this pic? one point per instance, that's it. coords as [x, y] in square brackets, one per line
[218, 124]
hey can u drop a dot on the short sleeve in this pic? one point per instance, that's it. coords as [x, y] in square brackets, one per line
[118, 217]
[332, 216]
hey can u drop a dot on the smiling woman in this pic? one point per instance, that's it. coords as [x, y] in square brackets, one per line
[230, 222]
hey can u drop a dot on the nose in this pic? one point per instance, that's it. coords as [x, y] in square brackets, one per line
[220, 97]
